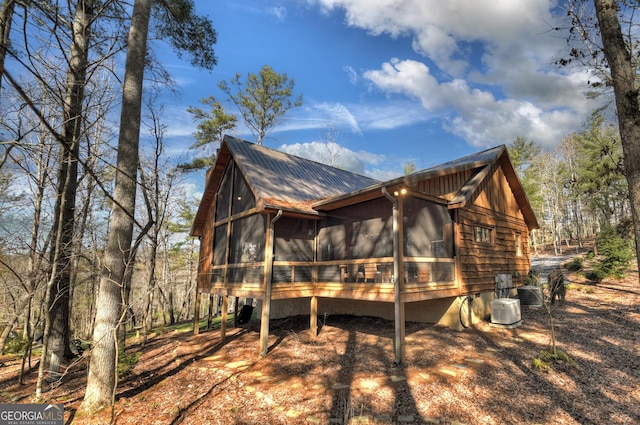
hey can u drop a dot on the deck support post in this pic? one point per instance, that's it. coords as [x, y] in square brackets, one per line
[196, 313]
[268, 279]
[210, 311]
[398, 304]
[235, 312]
[313, 319]
[223, 317]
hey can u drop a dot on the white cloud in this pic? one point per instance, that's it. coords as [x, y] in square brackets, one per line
[338, 114]
[280, 12]
[488, 66]
[389, 115]
[354, 118]
[320, 115]
[331, 153]
[438, 28]
[477, 115]
[352, 74]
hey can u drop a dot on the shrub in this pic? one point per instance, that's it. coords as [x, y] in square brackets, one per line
[533, 278]
[575, 264]
[595, 275]
[15, 345]
[126, 362]
[548, 356]
[616, 252]
[557, 287]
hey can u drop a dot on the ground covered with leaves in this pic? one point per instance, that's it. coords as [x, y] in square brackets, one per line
[484, 375]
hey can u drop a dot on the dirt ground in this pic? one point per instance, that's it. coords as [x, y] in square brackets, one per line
[484, 375]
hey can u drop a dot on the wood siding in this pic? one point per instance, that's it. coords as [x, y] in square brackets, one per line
[495, 194]
[444, 186]
[494, 207]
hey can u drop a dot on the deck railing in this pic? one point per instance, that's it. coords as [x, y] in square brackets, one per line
[417, 270]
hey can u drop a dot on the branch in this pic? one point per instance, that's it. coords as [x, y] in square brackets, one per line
[60, 139]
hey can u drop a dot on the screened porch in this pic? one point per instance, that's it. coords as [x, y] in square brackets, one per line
[346, 253]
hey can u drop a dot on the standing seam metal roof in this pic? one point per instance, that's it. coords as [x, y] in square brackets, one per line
[277, 175]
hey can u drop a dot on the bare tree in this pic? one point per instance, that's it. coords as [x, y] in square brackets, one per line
[157, 179]
[6, 16]
[31, 161]
[56, 334]
[178, 22]
[101, 381]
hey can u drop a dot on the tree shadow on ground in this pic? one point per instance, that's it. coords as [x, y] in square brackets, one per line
[138, 383]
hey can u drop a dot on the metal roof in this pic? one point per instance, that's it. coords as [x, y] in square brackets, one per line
[277, 180]
[280, 176]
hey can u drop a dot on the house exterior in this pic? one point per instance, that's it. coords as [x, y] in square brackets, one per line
[306, 238]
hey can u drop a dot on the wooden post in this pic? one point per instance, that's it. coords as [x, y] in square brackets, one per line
[399, 310]
[268, 278]
[457, 243]
[223, 317]
[210, 312]
[398, 276]
[313, 308]
[313, 319]
[196, 313]
[235, 312]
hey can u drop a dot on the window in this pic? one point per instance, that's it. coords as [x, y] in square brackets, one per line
[220, 245]
[358, 231]
[242, 197]
[518, 242]
[482, 234]
[224, 195]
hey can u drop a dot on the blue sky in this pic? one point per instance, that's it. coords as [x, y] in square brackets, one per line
[392, 81]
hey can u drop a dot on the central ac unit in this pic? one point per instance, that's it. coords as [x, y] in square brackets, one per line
[505, 311]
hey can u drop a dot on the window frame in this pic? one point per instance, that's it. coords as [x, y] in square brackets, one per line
[518, 244]
[483, 234]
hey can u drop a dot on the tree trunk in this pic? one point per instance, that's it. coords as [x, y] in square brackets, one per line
[623, 76]
[7, 329]
[147, 321]
[62, 250]
[6, 15]
[102, 379]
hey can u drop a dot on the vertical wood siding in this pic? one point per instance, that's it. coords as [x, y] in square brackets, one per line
[444, 186]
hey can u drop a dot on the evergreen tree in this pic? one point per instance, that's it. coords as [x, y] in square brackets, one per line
[212, 126]
[263, 99]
